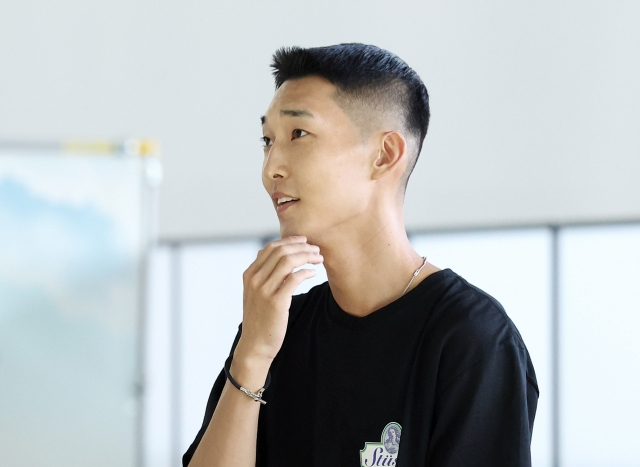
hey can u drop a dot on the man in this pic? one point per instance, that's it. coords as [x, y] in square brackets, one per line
[393, 361]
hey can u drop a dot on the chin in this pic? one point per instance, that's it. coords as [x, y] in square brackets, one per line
[312, 235]
[288, 229]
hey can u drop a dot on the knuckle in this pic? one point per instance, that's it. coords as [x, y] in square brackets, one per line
[253, 283]
[290, 247]
[262, 292]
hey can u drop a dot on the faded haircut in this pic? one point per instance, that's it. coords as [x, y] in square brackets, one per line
[371, 84]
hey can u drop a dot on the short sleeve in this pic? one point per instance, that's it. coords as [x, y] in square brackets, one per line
[214, 397]
[484, 415]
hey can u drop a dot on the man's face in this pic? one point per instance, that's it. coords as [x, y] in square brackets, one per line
[314, 153]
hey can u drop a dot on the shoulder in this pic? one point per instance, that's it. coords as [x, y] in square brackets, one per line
[468, 315]
[469, 325]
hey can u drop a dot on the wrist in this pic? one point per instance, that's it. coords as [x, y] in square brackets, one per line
[249, 370]
[255, 395]
[250, 356]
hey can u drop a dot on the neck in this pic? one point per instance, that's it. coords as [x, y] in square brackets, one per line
[369, 265]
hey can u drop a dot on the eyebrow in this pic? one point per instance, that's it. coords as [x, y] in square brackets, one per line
[291, 113]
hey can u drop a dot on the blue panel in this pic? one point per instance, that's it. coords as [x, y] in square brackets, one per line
[70, 231]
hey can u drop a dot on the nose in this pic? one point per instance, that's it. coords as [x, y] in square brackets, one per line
[274, 164]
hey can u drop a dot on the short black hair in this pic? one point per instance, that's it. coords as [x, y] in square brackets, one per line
[361, 72]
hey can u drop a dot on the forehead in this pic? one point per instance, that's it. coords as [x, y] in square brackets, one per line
[311, 93]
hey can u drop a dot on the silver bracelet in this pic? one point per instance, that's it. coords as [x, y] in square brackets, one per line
[253, 395]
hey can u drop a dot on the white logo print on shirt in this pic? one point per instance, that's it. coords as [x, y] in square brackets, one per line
[384, 453]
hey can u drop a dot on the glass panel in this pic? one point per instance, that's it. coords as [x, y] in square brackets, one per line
[157, 424]
[70, 247]
[599, 346]
[514, 267]
[211, 307]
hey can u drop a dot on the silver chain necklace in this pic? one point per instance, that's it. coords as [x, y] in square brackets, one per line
[424, 261]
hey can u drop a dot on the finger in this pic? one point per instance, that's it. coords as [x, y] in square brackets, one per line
[286, 266]
[264, 272]
[270, 247]
[293, 280]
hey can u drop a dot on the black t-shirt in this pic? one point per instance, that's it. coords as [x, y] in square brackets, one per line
[439, 377]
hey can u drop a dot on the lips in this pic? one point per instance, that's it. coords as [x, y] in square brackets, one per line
[280, 207]
[283, 201]
[286, 199]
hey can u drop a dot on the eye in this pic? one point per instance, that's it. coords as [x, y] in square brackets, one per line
[298, 133]
[266, 141]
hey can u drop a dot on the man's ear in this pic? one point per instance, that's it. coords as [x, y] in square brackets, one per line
[392, 156]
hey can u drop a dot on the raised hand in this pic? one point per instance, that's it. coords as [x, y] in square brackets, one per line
[269, 284]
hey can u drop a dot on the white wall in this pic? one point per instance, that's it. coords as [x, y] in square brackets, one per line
[535, 105]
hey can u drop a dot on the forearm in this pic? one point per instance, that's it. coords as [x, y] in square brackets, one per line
[230, 438]
[269, 283]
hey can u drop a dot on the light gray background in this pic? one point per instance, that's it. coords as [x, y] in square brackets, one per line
[536, 110]
[535, 106]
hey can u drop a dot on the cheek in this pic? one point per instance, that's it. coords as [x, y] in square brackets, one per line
[265, 178]
[336, 185]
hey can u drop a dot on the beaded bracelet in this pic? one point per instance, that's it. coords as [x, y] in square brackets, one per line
[253, 395]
